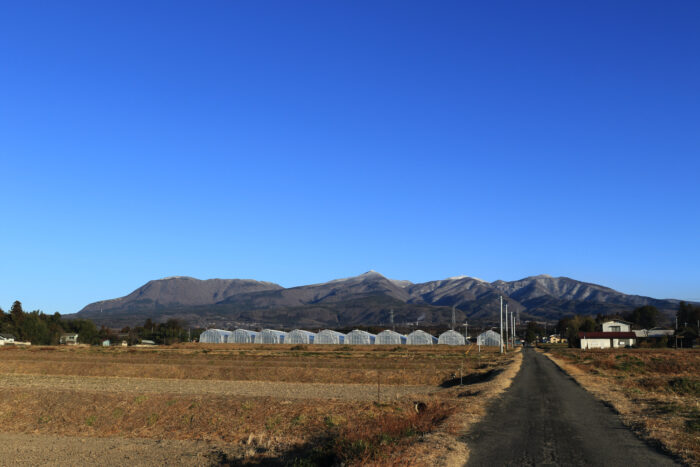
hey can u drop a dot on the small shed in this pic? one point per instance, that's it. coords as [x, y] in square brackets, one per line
[68, 339]
[660, 332]
[242, 336]
[419, 337]
[299, 336]
[489, 338]
[270, 336]
[328, 336]
[7, 339]
[106, 343]
[451, 338]
[390, 337]
[359, 337]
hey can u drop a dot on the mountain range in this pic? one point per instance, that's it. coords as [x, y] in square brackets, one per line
[367, 299]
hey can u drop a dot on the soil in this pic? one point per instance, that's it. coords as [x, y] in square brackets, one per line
[358, 392]
[31, 450]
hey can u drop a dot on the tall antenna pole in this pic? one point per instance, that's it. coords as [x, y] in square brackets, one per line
[454, 321]
[501, 297]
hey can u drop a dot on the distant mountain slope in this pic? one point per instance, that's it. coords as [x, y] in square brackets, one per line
[365, 299]
[551, 297]
[179, 291]
[369, 283]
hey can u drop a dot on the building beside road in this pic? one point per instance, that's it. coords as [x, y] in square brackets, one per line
[617, 325]
[68, 339]
[607, 340]
[7, 339]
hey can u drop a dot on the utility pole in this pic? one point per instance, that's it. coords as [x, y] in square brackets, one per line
[676, 333]
[466, 331]
[501, 297]
[512, 316]
[506, 334]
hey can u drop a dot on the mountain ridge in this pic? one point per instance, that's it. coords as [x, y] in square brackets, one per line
[366, 299]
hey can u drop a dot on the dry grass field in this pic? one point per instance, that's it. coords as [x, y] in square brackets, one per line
[250, 404]
[656, 391]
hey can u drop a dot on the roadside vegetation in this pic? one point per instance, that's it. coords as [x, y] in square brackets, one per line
[656, 391]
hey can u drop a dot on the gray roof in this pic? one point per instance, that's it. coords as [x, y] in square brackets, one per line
[7, 336]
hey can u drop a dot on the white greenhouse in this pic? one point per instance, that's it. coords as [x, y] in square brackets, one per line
[242, 336]
[299, 336]
[390, 337]
[489, 338]
[214, 336]
[419, 337]
[270, 336]
[358, 337]
[328, 336]
[451, 338]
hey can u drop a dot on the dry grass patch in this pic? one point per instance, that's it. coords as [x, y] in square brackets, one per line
[97, 400]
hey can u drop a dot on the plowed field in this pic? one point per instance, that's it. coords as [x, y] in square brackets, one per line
[213, 405]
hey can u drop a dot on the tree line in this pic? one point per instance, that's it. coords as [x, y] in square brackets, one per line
[42, 329]
[646, 317]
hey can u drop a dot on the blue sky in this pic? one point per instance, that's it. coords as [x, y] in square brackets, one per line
[299, 142]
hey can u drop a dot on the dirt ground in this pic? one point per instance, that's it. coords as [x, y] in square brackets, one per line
[32, 449]
[219, 405]
[277, 390]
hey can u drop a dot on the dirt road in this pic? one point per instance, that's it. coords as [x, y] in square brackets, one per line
[545, 418]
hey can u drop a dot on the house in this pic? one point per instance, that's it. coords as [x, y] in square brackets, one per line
[617, 325]
[7, 339]
[607, 340]
[556, 339]
[69, 339]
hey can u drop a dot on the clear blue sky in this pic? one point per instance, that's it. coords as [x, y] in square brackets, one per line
[298, 142]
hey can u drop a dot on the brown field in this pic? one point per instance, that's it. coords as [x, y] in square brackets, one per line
[656, 391]
[227, 404]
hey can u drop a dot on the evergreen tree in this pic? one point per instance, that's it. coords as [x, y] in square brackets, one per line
[17, 313]
[646, 316]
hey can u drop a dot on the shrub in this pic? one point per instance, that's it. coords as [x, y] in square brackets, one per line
[685, 386]
[363, 443]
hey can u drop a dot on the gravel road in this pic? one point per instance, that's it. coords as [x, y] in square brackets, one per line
[545, 418]
[210, 387]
